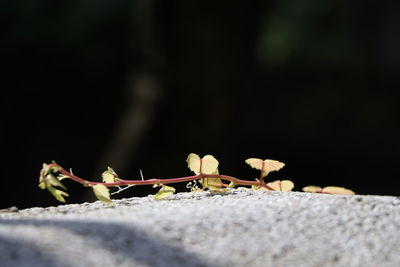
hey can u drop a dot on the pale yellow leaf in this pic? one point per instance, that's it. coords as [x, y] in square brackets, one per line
[208, 164]
[336, 190]
[193, 161]
[283, 186]
[276, 185]
[287, 185]
[255, 163]
[102, 193]
[165, 191]
[312, 189]
[272, 165]
[109, 175]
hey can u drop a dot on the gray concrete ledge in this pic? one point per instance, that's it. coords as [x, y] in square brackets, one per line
[240, 228]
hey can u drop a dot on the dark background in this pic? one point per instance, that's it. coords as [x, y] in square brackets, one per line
[138, 85]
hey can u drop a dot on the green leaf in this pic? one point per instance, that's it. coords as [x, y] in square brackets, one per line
[58, 194]
[269, 165]
[208, 164]
[102, 193]
[42, 185]
[232, 185]
[164, 192]
[54, 181]
[109, 176]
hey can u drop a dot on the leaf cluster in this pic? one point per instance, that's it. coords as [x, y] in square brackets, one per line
[48, 180]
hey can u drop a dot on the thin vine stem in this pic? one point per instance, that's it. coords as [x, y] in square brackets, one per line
[157, 181]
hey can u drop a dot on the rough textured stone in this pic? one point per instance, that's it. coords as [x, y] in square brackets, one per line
[239, 228]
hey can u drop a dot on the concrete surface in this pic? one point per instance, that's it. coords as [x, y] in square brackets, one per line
[240, 228]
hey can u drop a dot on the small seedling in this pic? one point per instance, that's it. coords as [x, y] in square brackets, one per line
[206, 174]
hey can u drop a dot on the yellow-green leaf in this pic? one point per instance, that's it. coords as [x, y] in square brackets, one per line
[269, 165]
[102, 193]
[312, 189]
[54, 181]
[232, 185]
[283, 186]
[336, 190]
[42, 185]
[109, 175]
[164, 192]
[208, 164]
[58, 194]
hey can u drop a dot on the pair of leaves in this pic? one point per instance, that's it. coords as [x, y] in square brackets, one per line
[206, 165]
[336, 190]
[48, 180]
[265, 166]
[278, 185]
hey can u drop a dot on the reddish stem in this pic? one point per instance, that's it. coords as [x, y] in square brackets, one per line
[153, 181]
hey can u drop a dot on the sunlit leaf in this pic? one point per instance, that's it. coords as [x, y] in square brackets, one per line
[269, 165]
[255, 163]
[109, 176]
[102, 193]
[212, 183]
[164, 192]
[336, 190]
[312, 189]
[272, 165]
[193, 162]
[283, 186]
[208, 164]
[54, 181]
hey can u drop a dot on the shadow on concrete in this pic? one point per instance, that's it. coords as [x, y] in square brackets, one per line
[129, 242]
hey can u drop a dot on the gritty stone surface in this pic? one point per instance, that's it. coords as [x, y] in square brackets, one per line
[240, 228]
